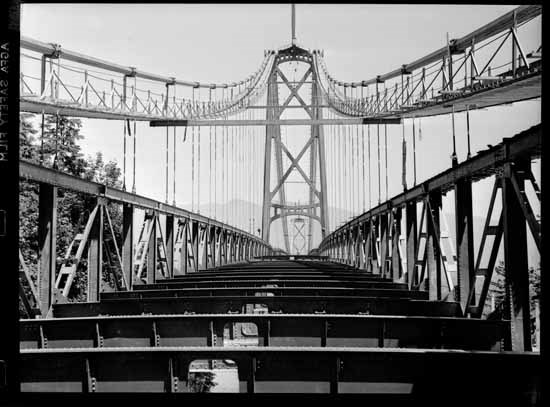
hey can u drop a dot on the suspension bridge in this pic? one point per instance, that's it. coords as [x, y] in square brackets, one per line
[378, 298]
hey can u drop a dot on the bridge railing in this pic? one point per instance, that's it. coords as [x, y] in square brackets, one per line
[191, 242]
[54, 79]
[475, 62]
[372, 243]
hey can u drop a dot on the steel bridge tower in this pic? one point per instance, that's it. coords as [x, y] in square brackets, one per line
[275, 205]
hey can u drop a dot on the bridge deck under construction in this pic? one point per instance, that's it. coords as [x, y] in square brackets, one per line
[302, 341]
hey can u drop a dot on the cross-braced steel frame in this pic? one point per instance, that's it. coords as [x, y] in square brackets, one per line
[316, 208]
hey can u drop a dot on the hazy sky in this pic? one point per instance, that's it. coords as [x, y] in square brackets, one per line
[225, 43]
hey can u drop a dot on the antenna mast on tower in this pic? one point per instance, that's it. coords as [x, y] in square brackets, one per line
[293, 24]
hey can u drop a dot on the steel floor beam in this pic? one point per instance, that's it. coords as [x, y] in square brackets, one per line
[270, 330]
[237, 304]
[271, 291]
[279, 369]
[275, 282]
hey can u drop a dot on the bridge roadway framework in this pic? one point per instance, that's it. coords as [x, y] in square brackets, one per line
[117, 348]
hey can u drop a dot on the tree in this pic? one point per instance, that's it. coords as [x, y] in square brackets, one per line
[534, 298]
[57, 146]
[497, 291]
[28, 202]
[200, 382]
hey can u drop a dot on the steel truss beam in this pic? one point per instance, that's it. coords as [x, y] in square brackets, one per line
[196, 243]
[276, 122]
[481, 88]
[47, 176]
[427, 264]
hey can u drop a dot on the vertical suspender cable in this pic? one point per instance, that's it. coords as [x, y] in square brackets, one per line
[252, 161]
[333, 173]
[346, 171]
[240, 183]
[404, 152]
[352, 168]
[226, 172]
[193, 159]
[386, 157]
[42, 140]
[249, 162]
[379, 176]
[454, 157]
[233, 175]
[210, 157]
[363, 162]
[134, 158]
[468, 129]
[368, 140]
[357, 178]
[124, 156]
[174, 169]
[339, 167]
[199, 130]
[166, 166]
[344, 165]
[254, 134]
[245, 179]
[236, 180]
[349, 161]
[54, 164]
[174, 155]
[223, 165]
[215, 171]
[335, 177]
[414, 154]
[355, 169]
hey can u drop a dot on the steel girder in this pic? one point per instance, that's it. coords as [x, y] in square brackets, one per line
[379, 331]
[279, 369]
